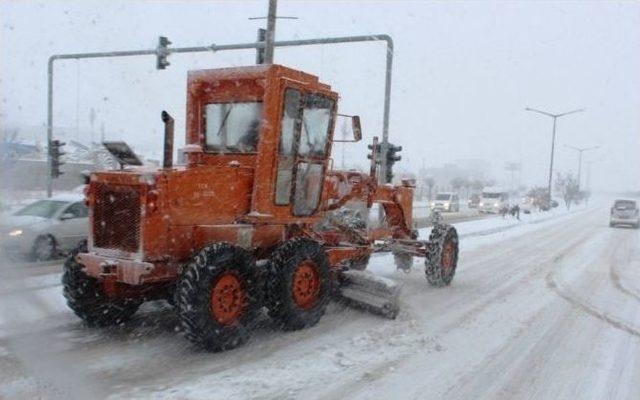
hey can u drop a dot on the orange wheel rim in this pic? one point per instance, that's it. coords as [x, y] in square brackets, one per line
[448, 254]
[306, 285]
[228, 299]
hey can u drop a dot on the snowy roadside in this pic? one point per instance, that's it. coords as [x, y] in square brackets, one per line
[483, 231]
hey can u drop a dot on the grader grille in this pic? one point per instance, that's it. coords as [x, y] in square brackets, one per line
[116, 218]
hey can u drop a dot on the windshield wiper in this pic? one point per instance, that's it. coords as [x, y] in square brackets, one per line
[224, 120]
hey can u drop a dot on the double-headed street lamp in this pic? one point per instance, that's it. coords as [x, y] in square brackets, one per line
[581, 150]
[553, 138]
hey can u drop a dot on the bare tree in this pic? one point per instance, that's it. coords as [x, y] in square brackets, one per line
[538, 195]
[567, 186]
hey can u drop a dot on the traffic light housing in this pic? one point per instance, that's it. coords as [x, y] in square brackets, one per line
[375, 151]
[392, 154]
[162, 52]
[392, 157]
[56, 153]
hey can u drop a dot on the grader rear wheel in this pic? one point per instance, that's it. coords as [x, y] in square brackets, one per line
[218, 296]
[299, 285]
[442, 255]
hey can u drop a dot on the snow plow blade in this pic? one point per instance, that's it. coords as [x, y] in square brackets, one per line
[370, 292]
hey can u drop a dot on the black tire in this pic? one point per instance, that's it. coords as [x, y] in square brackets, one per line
[87, 299]
[212, 266]
[44, 248]
[285, 263]
[441, 237]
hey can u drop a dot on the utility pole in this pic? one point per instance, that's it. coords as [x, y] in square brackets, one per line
[262, 34]
[271, 32]
[553, 139]
[264, 55]
[580, 151]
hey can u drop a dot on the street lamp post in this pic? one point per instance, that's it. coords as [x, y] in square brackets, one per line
[553, 139]
[581, 150]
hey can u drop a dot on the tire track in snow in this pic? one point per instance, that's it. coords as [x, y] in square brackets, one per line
[579, 303]
[616, 277]
[617, 282]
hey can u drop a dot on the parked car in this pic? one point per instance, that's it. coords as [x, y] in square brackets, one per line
[493, 200]
[445, 202]
[474, 201]
[624, 212]
[45, 228]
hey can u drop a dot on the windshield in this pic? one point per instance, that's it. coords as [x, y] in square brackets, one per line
[491, 195]
[625, 204]
[232, 127]
[443, 197]
[42, 208]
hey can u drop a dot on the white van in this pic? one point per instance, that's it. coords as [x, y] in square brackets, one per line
[445, 202]
[493, 200]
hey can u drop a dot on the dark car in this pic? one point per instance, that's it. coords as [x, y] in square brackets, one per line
[625, 212]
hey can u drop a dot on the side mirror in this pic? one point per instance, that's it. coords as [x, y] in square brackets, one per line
[356, 130]
[66, 216]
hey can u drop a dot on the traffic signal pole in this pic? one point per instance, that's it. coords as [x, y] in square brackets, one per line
[164, 52]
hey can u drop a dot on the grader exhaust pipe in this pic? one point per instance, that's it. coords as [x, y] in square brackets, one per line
[167, 161]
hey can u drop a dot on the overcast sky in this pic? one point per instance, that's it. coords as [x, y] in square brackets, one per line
[463, 73]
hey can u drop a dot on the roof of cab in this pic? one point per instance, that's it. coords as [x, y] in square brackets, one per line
[254, 72]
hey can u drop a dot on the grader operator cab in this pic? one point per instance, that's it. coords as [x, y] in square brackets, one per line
[250, 222]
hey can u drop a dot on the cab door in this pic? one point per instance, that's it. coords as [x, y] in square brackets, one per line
[307, 122]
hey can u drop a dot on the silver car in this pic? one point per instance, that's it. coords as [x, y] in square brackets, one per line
[45, 228]
[625, 212]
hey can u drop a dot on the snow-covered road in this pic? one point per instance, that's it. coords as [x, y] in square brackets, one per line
[543, 308]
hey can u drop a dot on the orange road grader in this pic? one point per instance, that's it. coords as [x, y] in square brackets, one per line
[253, 220]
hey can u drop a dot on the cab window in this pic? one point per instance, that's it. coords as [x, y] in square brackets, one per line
[316, 118]
[232, 127]
[308, 188]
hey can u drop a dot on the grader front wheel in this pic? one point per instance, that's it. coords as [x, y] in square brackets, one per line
[442, 255]
[88, 300]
